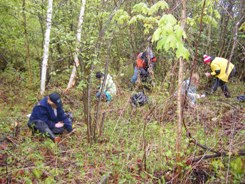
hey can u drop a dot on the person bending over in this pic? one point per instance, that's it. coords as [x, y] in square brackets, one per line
[49, 118]
[218, 66]
[109, 89]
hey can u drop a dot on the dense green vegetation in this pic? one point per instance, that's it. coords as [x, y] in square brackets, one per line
[132, 145]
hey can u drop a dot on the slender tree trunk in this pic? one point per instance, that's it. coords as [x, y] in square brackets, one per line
[173, 77]
[87, 101]
[78, 42]
[209, 47]
[86, 105]
[46, 46]
[97, 114]
[27, 42]
[41, 22]
[228, 47]
[198, 40]
[227, 15]
[179, 97]
[40, 19]
[234, 43]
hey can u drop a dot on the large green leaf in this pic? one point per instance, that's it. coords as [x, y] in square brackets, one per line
[159, 5]
[140, 8]
[182, 52]
[167, 19]
[170, 42]
[160, 44]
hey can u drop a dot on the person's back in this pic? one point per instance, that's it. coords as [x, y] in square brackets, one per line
[110, 85]
[142, 61]
[109, 89]
[221, 64]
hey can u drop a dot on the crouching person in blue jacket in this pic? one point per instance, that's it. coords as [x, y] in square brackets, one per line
[48, 117]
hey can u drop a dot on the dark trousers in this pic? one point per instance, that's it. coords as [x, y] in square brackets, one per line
[219, 83]
[43, 128]
[233, 72]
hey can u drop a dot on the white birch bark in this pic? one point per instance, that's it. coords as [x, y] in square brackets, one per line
[46, 46]
[78, 42]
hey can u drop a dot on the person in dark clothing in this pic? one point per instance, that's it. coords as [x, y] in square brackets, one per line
[48, 117]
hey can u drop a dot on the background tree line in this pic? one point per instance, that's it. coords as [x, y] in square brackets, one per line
[108, 37]
[210, 29]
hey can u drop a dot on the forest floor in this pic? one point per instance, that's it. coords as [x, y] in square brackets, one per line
[135, 145]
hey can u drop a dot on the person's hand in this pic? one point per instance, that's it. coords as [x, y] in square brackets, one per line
[59, 124]
[208, 74]
[103, 97]
[203, 95]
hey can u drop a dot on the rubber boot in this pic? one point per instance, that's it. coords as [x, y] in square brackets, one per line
[226, 91]
[52, 136]
[227, 94]
[215, 85]
[32, 127]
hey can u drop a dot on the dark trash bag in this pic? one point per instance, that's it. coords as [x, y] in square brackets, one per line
[139, 99]
[241, 98]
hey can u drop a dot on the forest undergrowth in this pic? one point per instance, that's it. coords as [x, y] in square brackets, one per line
[135, 145]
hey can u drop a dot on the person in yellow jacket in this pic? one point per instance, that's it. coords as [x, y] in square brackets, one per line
[218, 66]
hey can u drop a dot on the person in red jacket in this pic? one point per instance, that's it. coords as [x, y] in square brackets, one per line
[145, 60]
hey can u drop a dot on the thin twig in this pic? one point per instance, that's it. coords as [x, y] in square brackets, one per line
[223, 154]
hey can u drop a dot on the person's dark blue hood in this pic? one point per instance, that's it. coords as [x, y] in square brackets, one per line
[55, 98]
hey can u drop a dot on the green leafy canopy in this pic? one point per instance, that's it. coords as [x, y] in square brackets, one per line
[146, 15]
[121, 17]
[143, 8]
[169, 34]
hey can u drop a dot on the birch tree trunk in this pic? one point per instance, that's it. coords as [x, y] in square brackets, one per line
[78, 42]
[46, 46]
[179, 97]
